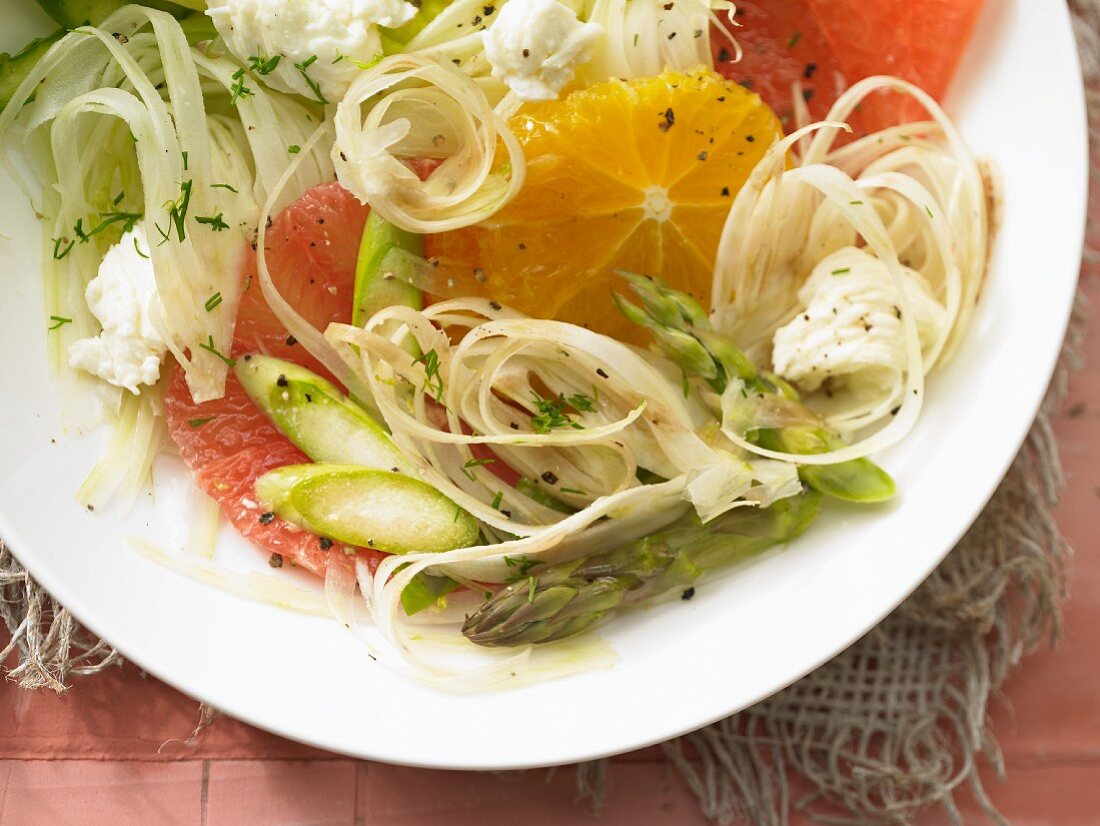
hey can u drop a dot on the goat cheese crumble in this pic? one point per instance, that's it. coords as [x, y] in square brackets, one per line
[850, 332]
[535, 47]
[321, 45]
[123, 297]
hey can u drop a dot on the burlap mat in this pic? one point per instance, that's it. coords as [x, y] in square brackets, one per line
[894, 724]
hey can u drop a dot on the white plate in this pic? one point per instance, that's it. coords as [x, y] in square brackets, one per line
[1018, 100]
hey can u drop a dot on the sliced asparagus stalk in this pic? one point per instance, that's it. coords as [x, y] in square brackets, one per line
[375, 287]
[316, 416]
[328, 427]
[857, 480]
[563, 600]
[683, 333]
[274, 487]
[273, 490]
[376, 509]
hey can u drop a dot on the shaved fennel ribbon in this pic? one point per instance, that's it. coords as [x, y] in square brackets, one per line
[494, 372]
[914, 192]
[121, 127]
[426, 110]
[646, 37]
[137, 68]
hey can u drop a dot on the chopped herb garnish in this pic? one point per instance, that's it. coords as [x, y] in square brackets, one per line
[856, 203]
[794, 40]
[577, 491]
[197, 423]
[522, 564]
[184, 161]
[841, 270]
[294, 149]
[215, 222]
[238, 90]
[582, 403]
[58, 252]
[177, 213]
[137, 249]
[213, 302]
[497, 500]
[551, 413]
[432, 379]
[928, 209]
[303, 67]
[232, 189]
[531, 583]
[211, 348]
[127, 219]
[118, 198]
[263, 65]
[59, 321]
[475, 463]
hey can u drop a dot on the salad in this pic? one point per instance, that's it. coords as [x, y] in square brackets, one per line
[498, 317]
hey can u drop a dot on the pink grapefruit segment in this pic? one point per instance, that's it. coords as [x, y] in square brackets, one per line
[228, 443]
[827, 45]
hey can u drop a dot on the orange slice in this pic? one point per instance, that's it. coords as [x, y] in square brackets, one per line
[635, 174]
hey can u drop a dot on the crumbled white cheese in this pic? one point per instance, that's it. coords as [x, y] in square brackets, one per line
[123, 297]
[534, 47]
[850, 329]
[334, 37]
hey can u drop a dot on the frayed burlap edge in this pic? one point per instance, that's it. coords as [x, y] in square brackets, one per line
[896, 723]
[899, 721]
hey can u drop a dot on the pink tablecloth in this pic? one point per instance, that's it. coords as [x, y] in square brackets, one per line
[118, 749]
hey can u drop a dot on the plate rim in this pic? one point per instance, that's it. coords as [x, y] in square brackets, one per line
[45, 576]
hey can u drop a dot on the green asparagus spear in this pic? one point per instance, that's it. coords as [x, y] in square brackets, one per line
[682, 331]
[565, 599]
[374, 287]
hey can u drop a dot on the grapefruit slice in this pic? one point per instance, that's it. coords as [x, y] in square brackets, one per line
[827, 45]
[920, 42]
[228, 443]
[782, 45]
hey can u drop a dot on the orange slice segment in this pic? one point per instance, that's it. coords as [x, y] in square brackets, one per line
[635, 174]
